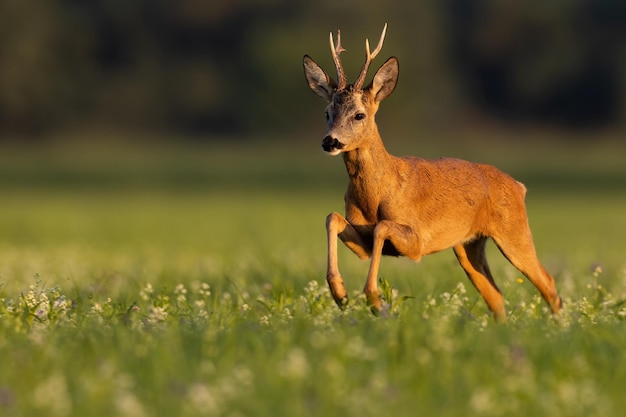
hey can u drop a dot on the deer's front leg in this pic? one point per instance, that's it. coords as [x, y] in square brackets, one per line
[406, 242]
[337, 225]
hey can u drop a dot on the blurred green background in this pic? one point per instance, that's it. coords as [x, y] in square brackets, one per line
[232, 69]
[170, 100]
[174, 99]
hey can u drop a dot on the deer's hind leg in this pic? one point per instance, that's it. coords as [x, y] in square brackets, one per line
[472, 258]
[519, 249]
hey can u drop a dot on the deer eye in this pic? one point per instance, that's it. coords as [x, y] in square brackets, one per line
[327, 116]
[359, 116]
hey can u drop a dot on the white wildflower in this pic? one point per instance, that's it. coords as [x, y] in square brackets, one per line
[311, 287]
[146, 292]
[61, 304]
[43, 307]
[202, 315]
[286, 315]
[205, 290]
[30, 298]
[180, 291]
[157, 314]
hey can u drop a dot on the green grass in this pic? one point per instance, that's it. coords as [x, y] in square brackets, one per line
[190, 282]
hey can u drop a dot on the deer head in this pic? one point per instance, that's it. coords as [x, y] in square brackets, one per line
[351, 107]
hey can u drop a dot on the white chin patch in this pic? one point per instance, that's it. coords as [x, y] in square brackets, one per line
[334, 152]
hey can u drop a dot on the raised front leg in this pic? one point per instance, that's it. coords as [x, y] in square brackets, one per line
[406, 242]
[337, 225]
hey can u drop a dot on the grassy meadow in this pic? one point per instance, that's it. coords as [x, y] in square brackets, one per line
[152, 280]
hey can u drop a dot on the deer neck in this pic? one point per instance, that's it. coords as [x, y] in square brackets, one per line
[368, 166]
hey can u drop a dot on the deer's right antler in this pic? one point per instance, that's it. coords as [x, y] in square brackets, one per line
[336, 50]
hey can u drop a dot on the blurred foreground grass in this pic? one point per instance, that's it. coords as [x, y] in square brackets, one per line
[188, 280]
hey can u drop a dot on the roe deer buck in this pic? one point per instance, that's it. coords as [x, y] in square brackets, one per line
[407, 206]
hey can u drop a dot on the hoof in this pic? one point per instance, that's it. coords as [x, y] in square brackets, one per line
[342, 303]
[376, 310]
[374, 302]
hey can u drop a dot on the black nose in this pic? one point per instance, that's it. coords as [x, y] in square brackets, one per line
[329, 144]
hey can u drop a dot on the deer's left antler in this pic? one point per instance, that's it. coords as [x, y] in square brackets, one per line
[369, 57]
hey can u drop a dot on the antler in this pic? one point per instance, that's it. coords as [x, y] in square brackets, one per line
[369, 57]
[336, 50]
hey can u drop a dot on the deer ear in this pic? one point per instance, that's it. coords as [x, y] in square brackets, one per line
[385, 80]
[319, 82]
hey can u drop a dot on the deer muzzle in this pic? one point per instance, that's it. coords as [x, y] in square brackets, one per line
[330, 144]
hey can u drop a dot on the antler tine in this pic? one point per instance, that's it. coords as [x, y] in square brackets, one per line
[336, 50]
[380, 43]
[369, 57]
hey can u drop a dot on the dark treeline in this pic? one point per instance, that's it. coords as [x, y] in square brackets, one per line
[211, 67]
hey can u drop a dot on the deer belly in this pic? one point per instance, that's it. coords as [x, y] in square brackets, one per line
[443, 239]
